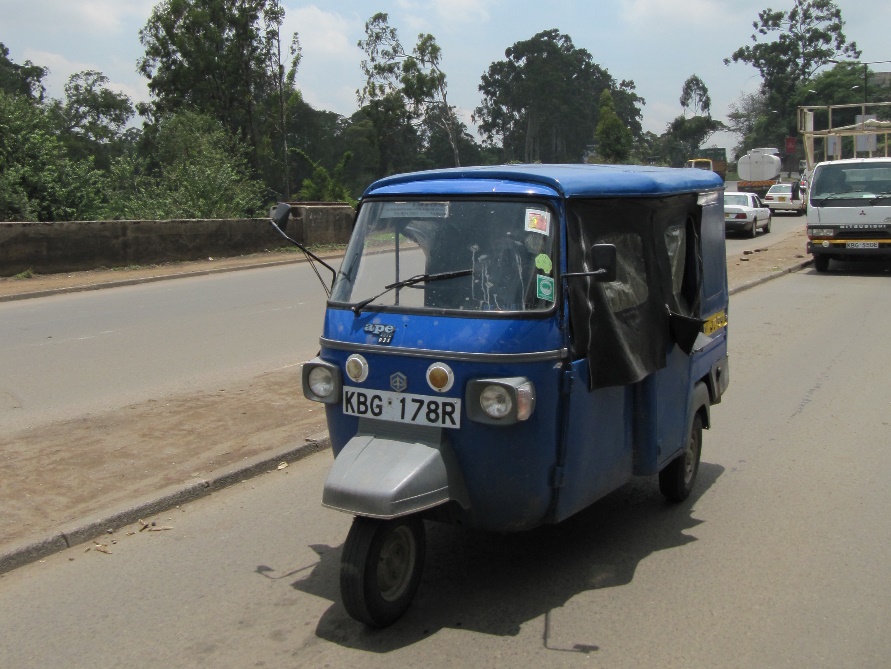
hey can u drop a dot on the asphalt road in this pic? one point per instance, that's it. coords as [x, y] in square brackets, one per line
[70, 355]
[778, 559]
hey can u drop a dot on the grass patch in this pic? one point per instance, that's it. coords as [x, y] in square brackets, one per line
[27, 274]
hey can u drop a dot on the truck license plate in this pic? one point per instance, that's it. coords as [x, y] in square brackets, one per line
[402, 407]
[862, 245]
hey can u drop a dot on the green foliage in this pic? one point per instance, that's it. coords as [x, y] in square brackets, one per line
[93, 119]
[613, 138]
[24, 79]
[686, 135]
[417, 77]
[217, 57]
[805, 38]
[203, 173]
[541, 103]
[38, 180]
[694, 96]
[325, 186]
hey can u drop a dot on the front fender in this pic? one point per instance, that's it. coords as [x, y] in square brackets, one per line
[386, 476]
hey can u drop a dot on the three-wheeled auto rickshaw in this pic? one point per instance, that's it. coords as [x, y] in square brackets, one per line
[503, 346]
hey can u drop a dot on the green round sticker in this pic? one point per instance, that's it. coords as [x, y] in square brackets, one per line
[544, 263]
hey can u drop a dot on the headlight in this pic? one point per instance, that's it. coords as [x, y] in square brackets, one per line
[357, 368]
[821, 232]
[500, 401]
[321, 381]
[496, 401]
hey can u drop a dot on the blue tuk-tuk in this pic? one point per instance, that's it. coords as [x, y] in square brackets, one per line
[503, 346]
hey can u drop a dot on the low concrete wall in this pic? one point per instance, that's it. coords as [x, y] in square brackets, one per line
[47, 248]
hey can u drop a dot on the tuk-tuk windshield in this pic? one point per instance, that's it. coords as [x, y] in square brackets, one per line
[502, 252]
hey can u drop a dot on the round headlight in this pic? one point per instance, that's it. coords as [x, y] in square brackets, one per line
[495, 401]
[321, 382]
[357, 368]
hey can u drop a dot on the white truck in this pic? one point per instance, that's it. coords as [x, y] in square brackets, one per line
[849, 198]
[758, 170]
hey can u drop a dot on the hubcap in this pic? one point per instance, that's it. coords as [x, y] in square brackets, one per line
[394, 567]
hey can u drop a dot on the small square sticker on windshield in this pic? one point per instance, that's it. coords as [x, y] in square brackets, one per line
[538, 221]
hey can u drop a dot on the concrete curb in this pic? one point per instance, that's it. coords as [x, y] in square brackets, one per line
[769, 277]
[97, 525]
[90, 528]
[147, 279]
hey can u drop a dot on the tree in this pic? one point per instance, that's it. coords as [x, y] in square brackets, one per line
[203, 173]
[92, 118]
[745, 120]
[695, 97]
[541, 102]
[808, 36]
[325, 186]
[613, 138]
[417, 77]
[216, 57]
[24, 79]
[685, 135]
[38, 180]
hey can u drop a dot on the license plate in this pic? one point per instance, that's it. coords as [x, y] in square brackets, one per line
[782, 199]
[402, 407]
[862, 245]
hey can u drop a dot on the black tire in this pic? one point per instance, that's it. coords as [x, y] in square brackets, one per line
[821, 263]
[381, 567]
[676, 481]
[754, 231]
[767, 226]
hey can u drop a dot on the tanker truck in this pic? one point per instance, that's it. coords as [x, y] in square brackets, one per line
[758, 170]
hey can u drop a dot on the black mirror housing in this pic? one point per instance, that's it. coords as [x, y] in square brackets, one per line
[281, 215]
[602, 258]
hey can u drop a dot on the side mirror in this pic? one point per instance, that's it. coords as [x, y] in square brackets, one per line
[603, 262]
[281, 215]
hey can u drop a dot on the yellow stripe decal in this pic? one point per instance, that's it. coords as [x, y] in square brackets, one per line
[846, 241]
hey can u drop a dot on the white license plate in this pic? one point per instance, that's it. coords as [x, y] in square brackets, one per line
[402, 407]
[862, 245]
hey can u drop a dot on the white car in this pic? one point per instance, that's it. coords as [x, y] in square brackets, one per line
[779, 198]
[745, 212]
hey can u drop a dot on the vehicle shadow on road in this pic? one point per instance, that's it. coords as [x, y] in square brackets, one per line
[865, 267]
[494, 583]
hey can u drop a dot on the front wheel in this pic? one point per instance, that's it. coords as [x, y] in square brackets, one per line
[821, 263]
[381, 568]
[677, 479]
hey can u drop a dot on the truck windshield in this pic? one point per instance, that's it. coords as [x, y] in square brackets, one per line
[853, 180]
[466, 255]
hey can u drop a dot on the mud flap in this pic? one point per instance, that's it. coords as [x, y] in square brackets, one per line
[395, 474]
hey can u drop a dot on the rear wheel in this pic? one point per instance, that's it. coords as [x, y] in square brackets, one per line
[677, 479]
[381, 568]
[767, 225]
[753, 231]
[821, 263]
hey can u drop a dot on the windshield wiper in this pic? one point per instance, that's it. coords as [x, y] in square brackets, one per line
[880, 196]
[836, 196]
[411, 281]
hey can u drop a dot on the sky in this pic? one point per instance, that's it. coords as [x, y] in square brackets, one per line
[656, 43]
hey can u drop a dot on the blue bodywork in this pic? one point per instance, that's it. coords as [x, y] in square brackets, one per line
[579, 443]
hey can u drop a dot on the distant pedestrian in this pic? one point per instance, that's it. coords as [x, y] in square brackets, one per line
[796, 190]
